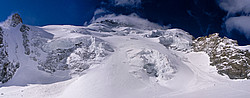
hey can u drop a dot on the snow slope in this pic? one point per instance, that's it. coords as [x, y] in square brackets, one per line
[133, 65]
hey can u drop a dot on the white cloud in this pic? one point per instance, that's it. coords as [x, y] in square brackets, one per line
[235, 6]
[241, 24]
[132, 20]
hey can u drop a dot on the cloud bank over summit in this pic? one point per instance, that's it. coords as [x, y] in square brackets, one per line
[235, 6]
[238, 18]
[134, 3]
[198, 17]
[240, 23]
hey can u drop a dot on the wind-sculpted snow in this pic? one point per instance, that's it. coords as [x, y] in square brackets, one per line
[149, 63]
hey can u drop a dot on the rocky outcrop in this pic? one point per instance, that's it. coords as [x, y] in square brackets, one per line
[7, 68]
[223, 54]
[24, 29]
[15, 20]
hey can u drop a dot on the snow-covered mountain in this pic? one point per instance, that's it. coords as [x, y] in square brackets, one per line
[118, 57]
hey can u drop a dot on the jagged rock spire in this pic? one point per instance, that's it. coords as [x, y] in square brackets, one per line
[15, 20]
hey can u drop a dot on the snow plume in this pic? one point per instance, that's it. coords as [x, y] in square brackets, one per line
[131, 3]
[238, 15]
[100, 11]
[116, 7]
[133, 20]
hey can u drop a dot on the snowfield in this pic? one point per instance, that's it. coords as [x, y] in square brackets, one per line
[110, 59]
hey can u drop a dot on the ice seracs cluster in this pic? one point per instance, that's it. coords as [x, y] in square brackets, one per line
[149, 63]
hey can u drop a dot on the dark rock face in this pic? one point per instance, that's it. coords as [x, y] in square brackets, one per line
[1, 36]
[7, 68]
[223, 54]
[24, 29]
[15, 20]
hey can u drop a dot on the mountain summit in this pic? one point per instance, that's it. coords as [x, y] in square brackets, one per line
[15, 20]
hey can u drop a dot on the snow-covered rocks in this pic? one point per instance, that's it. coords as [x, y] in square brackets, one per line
[149, 63]
[15, 20]
[74, 54]
[24, 29]
[7, 67]
[225, 55]
[175, 39]
[132, 20]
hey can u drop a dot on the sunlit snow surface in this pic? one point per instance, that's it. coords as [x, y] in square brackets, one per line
[131, 63]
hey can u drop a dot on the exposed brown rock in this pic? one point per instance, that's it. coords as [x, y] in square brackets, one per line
[15, 20]
[223, 54]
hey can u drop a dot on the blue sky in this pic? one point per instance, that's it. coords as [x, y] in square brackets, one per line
[44, 12]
